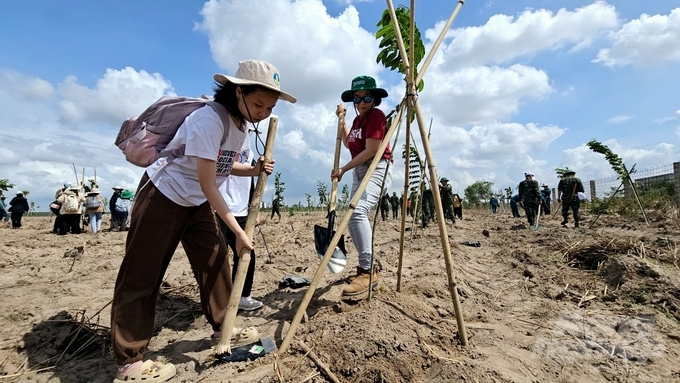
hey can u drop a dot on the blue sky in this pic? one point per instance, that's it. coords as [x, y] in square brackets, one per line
[515, 86]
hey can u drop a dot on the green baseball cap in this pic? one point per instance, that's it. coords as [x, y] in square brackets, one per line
[363, 83]
[444, 179]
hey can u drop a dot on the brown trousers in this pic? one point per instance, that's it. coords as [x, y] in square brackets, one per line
[157, 226]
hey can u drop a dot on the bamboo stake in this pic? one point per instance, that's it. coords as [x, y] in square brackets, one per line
[75, 172]
[442, 230]
[336, 162]
[397, 31]
[334, 241]
[637, 197]
[404, 203]
[244, 257]
[437, 43]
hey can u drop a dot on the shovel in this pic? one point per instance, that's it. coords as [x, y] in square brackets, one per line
[323, 235]
[223, 349]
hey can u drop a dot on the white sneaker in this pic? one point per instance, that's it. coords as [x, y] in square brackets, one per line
[249, 304]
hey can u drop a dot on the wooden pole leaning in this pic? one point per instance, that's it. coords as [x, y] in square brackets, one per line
[404, 203]
[637, 197]
[412, 102]
[438, 42]
[441, 222]
[224, 345]
[334, 241]
[336, 161]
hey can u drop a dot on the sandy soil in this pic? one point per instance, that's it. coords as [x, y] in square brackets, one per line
[550, 305]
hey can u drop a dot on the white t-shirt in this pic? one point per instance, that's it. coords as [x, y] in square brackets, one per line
[201, 134]
[236, 190]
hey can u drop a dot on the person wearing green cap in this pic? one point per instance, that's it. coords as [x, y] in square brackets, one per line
[446, 195]
[394, 201]
[567, 193]
[363, 140]
[121, 211]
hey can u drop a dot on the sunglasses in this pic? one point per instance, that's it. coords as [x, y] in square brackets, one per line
[366, 99]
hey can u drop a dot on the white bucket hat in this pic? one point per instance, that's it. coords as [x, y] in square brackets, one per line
[527, 174]
[256, 72]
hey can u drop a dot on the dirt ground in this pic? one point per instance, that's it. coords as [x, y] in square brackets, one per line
[556, 304]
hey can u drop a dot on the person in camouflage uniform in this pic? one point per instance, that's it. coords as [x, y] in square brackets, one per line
[385, 207]
[530, 195]
[428, 210]
[446, 194]
[413, 200]
[569, 186]
[394, 200]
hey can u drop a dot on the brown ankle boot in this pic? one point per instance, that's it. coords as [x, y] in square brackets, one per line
[353, 277]
[360, 283]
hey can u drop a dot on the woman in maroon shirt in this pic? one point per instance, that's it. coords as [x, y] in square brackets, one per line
[363, 139]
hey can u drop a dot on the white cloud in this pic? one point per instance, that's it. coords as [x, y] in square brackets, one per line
[504, 37]
[646, 41]
[118, 94]
[483, 94]
[620, 119]
[28, 87]
[311, 47]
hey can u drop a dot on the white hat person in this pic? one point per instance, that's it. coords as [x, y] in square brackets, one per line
[256, 72]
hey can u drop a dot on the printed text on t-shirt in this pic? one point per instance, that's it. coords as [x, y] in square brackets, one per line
[225, 161]
[354, 135]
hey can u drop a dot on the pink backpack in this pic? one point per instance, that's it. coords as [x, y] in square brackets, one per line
[143, 138]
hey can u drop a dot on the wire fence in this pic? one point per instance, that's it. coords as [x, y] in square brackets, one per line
[605, 187]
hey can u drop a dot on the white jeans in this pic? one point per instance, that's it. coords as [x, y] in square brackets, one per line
[95, 221]
[359, 226]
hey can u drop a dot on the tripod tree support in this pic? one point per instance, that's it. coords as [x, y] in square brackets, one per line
[412, 103]
[244, 257]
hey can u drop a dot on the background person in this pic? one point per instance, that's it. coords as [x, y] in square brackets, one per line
[4, 215]
[545, 199]
[17, 207]
[569, 187]
[457, 206]
[493, 201]
[237, 193]
[363, 140]
[70, 211]
[530, 196]
[112, 203]
[94, 208]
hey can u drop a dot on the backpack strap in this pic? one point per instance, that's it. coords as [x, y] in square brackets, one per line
[224, 116]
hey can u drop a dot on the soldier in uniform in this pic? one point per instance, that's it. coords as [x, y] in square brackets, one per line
[530, 195]
[385, 207]
[413, 200]
[394, 200]
[569, 187]
[447, 199]
[428, 202]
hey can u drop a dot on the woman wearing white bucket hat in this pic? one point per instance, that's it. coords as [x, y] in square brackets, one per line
[174, 203]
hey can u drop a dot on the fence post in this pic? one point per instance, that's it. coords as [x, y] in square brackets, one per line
[593, 193]
[676, 174]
